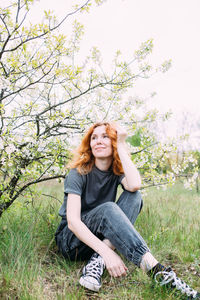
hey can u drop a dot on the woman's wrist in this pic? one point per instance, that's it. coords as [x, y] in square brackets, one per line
[103, 250]
[121, 145]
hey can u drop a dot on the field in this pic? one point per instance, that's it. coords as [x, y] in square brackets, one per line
[32, 269]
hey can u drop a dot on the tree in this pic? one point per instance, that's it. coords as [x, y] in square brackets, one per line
[47, 98]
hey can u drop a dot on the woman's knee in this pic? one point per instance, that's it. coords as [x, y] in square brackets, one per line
[131, 200]
[137, 198]
[110, 208]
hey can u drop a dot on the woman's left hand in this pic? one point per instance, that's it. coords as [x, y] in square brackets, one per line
[121, 133]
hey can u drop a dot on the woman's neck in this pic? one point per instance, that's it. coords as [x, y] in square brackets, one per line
[103, 164]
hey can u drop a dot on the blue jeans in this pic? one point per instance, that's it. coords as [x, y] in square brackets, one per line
[112, 221]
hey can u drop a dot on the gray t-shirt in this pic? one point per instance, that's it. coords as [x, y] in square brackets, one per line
[95, 188]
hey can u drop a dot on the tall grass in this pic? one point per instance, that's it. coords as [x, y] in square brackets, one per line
[31, 268]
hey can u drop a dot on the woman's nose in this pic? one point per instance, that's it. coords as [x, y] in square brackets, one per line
[99, 140]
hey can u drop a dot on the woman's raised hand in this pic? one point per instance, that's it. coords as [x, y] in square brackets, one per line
[121, 132]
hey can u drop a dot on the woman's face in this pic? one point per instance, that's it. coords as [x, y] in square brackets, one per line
[100, 143]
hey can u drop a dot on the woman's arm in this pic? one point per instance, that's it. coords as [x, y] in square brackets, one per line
[78, 227]
[113, 262]
[132, 179]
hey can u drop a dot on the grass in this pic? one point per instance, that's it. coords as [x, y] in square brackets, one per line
[32, 269]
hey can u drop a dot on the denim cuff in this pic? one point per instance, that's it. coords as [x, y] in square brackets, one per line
[138, 253]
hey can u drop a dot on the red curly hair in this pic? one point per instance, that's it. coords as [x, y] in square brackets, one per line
[84, 159]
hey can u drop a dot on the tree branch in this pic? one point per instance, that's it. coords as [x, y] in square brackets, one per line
[154, 184]
[7, 204]
[133, 153]
[31, 83]
[44, 33]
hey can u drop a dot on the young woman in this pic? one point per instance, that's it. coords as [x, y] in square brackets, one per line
[94, 225]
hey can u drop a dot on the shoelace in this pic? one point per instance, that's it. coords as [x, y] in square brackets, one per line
[179, 284]
[95, 267]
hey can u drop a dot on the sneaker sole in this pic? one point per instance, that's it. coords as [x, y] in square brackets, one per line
[89, 285]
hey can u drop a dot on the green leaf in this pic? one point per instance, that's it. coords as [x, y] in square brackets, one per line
[135, 140]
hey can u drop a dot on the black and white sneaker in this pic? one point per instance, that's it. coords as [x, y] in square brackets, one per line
[168, 278]
[92, 272]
